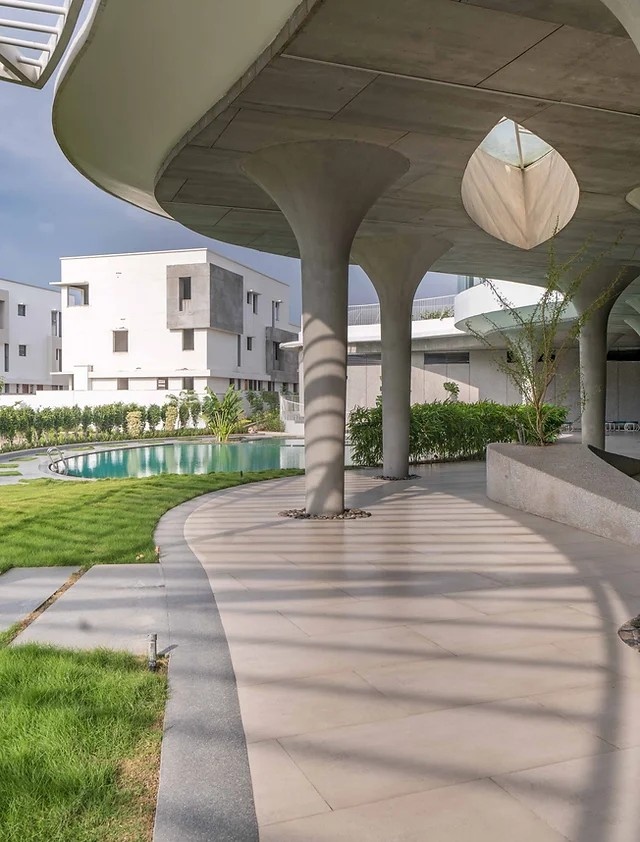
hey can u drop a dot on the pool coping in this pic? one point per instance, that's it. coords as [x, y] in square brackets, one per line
[205, 790]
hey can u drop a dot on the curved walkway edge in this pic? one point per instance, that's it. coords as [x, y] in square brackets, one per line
[205, 787]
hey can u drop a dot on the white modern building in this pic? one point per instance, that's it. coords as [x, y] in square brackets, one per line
[166, 321]
[443, 349]
[30, 338]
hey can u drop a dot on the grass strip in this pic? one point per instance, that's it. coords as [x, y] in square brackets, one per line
[48, 522]
[10, 473]
[80, 736]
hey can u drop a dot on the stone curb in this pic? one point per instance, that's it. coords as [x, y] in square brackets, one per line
[205, 790]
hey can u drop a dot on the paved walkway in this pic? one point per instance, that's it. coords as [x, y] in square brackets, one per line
[23, 589]
[113, 606]
[445, 670]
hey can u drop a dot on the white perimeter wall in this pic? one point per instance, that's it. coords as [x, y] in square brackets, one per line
[481, 380]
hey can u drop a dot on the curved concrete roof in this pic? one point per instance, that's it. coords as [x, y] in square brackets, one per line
[168, 124]
[139, 75]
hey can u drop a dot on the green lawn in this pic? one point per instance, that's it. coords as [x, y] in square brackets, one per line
[80, 732]
[80, 737]
[55, 522]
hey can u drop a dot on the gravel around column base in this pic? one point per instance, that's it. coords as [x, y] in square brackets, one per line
[348, 514]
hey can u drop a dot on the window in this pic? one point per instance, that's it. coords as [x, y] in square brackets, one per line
[618, 354]
[122, 384]
[56, 323]
[446, 358]
[22, 309]
[120, 341]
[249, 343]
[276, 351]
[6, 356]
[22, 350]
[187, 383]
[285, 387]
[275, 305]
[239, 351]
[270, 386]
[2, 308]
[252, 300]
[232, 381]
[58, 359]
[188, 339]
[364, 359]
[162, 383]
[78, 295]
[184, 292]
[510, 357]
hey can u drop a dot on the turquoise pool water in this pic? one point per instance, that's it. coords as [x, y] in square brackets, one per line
[189, 458]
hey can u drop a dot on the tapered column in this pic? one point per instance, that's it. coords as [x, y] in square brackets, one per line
[324, 189]
[593, 346]
[396, 265]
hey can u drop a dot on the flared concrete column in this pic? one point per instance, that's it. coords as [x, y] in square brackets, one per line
[395, 265]
[593, 347]
[324, 188]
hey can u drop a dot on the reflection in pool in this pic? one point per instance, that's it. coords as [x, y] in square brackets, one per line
[189, 458]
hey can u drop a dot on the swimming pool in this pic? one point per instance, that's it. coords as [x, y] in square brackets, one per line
[188, 458]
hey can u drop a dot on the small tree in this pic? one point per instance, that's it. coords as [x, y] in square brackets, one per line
[224, 416]
[534, 341]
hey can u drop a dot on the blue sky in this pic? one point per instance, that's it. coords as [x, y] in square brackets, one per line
[48, 210]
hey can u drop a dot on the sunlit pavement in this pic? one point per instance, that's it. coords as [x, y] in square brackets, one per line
[447, 669]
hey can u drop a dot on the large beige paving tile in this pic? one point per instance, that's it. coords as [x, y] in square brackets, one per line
[362, 763]
[606, 652]
[610, 711]
[471, 812]
[280, 790]
[495, 632]
[506, 600]
[381, 612]
[285, 708]
[481, 677]
[249, 625]
[590, 799]
[256, 663]
[395, 583]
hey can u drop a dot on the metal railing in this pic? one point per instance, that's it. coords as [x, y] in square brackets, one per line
[291, 410]
[369, 314]
[57, 460]
[33, 38]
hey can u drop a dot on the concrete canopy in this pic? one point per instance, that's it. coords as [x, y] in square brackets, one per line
[429, 78]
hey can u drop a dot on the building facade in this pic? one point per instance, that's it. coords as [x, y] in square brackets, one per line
[443, 350]
[167, 321]
[30, 339]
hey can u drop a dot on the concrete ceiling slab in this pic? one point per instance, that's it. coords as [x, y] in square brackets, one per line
[543, 78]
[253, 130]
[314, 90]
[576, 66]
[415, 105]
[451, 41]
[587, 14]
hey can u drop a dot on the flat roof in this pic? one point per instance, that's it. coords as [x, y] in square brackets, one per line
[171, 251]
[25, 284]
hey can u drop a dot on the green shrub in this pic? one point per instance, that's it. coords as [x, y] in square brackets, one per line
[170, 418]
[224, 416]
[446, 431]
[134, 424]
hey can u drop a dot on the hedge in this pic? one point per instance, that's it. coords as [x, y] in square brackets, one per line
[450, 431]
